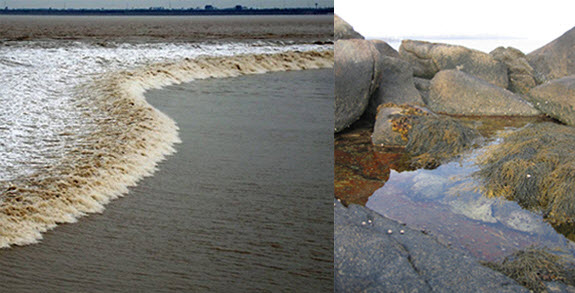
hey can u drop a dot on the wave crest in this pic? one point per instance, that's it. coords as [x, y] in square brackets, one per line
[128, 140]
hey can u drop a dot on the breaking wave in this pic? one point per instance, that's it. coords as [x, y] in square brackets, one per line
[122, 141]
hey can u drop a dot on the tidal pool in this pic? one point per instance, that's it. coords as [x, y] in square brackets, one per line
[448, 201]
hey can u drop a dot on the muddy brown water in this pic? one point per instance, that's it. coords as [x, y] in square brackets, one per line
[243, 206]
[286, 28]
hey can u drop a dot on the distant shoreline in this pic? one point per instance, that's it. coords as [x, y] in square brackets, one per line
[169, 12]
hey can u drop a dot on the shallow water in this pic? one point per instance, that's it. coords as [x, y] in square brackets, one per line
[446, 201]
[244, 204]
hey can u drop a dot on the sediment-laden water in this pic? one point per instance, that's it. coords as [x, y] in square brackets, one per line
[243, 205]
[241, 201]
[77, 131]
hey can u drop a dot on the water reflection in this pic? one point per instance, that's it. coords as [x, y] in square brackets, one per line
[447, 201]
[361, 168]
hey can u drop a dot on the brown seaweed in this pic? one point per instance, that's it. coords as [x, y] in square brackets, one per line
[433, 140]
[533, 267]
[536, 168]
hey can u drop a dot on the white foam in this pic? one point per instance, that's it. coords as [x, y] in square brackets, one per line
[104, 136]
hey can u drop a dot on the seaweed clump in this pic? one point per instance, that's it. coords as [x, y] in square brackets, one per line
[532, 267]
[436, 139]
[403, 122]
[430, 139]
[536, 168]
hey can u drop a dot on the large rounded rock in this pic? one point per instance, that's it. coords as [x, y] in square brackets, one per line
[396, 84]
[385, 49]
[429, 58]
[343, 30]
[521, 74]
[556, 59]
[556, 99]
[418, 53]
[458, 93]
[355, 79]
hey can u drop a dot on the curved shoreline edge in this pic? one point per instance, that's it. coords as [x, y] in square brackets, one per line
[130, 138]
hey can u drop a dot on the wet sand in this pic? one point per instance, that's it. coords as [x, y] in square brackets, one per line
[243, 206]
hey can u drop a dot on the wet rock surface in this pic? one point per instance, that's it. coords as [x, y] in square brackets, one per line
[429, 58]
[372, 255]
[556, 59]
[556, 99]
[458, 93]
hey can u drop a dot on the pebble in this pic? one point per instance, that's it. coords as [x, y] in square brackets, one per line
[363, 223]
[401, 231]
[389, 231]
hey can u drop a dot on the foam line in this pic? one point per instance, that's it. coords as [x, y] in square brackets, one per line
[129, 140]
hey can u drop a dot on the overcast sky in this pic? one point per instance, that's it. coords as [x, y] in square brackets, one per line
[534, 21]
[166, 3]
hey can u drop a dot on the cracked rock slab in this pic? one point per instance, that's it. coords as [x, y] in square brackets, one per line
[367, 258]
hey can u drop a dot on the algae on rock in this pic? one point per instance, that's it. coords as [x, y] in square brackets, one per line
[429, 138]
[535, 167]
[435, 139]
[533, 267]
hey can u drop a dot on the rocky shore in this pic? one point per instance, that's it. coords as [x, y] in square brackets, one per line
[413, 98]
